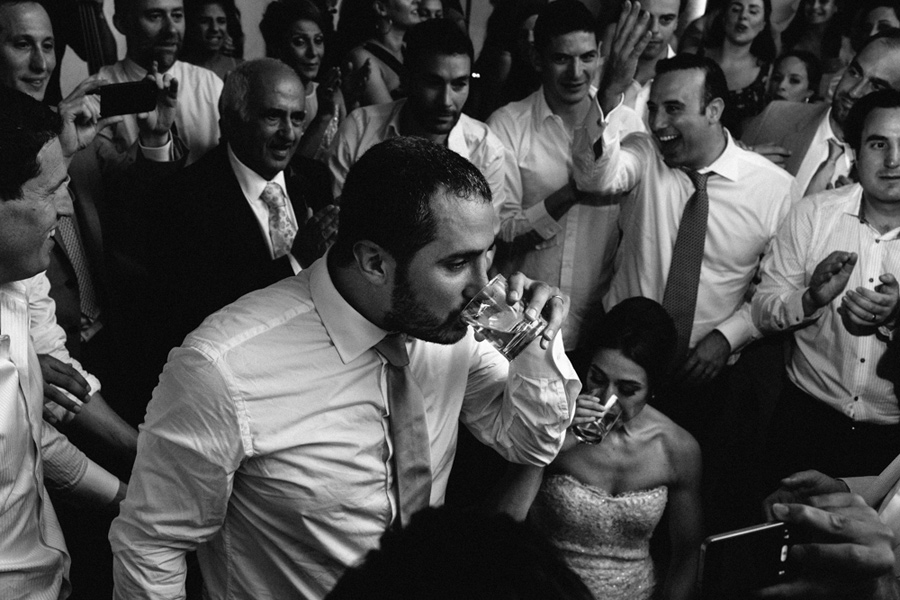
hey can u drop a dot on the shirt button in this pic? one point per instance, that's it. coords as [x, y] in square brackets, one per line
[862, 360]
[855, 398]
[871, 280]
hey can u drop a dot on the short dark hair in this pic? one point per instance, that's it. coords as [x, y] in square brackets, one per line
[435, 37]
[26, 125]
[643, 332]
[449, 554]
[559, 18]
[813, 68]
[714, 84]
[387, 197]
[859, 114]
[278, 18]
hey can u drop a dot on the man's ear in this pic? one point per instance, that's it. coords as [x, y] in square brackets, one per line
[714, 110]
[380, 8]
[374, 262]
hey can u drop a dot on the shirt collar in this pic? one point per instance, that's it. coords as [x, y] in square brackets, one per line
[393, 127]
[351, 333]
[728, 165]
[542, 110]
[252, 184]
[853, 209]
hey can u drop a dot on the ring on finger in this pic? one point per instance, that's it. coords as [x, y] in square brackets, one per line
[874, 316]
[555, 296]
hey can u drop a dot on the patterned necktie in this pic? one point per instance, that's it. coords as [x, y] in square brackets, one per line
[412, 450]
[281, 230]
[87, 295]
[680, 297]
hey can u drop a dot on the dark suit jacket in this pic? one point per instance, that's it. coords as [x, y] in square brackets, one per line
[791, 125]
[207, 249]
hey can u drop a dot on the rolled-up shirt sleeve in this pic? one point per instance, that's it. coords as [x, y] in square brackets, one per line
[601, 163]
[525, 423]
[189, 448]
[49, 338]
[778, 301]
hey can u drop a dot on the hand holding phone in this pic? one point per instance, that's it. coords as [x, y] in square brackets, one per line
[840, 549]
[735, 563]
[127, 98]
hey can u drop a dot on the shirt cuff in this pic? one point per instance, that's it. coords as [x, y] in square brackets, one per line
[160, 154]
[541, 221]
[536, 363]
[98, 486]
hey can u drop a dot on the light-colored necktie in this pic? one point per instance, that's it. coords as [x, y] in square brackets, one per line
[680, 296]
[87, 294]
[281, 231]
[409, 431]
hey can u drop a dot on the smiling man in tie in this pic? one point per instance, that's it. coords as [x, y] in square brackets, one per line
[295, 426]
[698, 211]
[239, 219]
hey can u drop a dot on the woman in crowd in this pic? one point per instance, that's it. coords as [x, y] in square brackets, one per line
[373, 31]
[739, 39]
[505, 69]
[817, 29]
[796, 77]
[600, 503]
[293, 31]
[213, 37]
[783, 14]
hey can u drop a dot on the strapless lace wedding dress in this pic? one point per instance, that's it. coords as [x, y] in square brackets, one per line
[603, 538]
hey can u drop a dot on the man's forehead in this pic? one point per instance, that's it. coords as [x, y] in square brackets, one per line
[574, 42]
[147, 5]
[882, 122]
[680, 85]
[662, 7]
[20, 16]
[450, 66]
[880, 55]
[270, 90]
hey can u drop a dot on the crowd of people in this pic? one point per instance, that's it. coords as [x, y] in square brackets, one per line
[232, 358]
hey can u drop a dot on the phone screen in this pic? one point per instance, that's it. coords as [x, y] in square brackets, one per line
[127, 98]
[744, 560]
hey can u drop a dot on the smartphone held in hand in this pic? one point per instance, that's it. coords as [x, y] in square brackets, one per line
[735, 563]
[127, 98]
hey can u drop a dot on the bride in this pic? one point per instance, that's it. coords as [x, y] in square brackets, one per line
[599, 504]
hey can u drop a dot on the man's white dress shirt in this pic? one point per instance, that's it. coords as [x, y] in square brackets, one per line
[847, 368]
[197, 114]
[34, 563]
[577, 251]
[266, 445]
[748, 198]
[471, 139]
